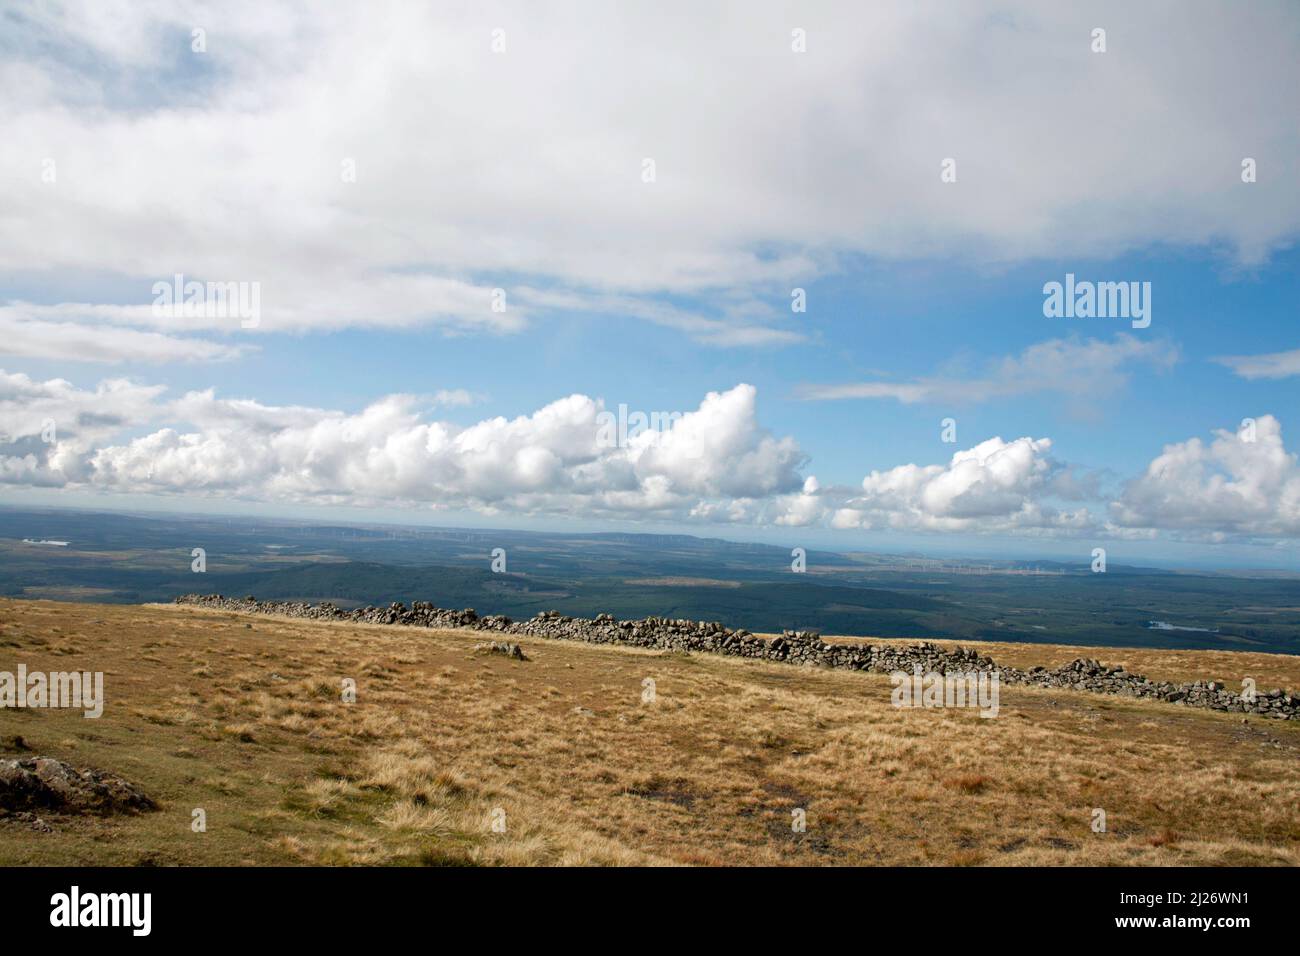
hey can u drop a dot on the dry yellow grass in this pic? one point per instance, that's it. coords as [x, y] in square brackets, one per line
[452, 757]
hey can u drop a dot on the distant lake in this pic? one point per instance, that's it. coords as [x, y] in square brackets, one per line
[1166, 626]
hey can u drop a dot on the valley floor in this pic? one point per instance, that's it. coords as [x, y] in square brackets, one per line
[453, 756]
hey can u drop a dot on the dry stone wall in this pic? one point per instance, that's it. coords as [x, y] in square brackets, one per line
[793, 647]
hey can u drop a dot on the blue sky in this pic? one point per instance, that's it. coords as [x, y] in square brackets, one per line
[478, 169]
[859, 327]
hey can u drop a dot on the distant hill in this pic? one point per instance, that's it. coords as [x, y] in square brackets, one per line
[131, 559]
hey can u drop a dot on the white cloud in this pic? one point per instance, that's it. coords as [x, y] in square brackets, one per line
[742, 321]
[454, 396]
[550, 462]
[475, 169]
[994, 486]
[88, 342]
[1229, 486]
[806, 508]
[715, 463]
[1272, 365]
[81, 419]
[1080, 369]
[115, 404]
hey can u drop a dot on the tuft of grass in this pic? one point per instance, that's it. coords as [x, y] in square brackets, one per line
[241, 732]
[1165, 837]
[968, 783]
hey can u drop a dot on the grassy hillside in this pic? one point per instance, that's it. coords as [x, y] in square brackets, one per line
[242, 717]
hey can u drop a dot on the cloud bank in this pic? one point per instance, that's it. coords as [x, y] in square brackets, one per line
[713, 464]
[392, 164]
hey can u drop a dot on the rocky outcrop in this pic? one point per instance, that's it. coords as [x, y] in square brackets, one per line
[794, 647]
[504, 648]
[43, 783]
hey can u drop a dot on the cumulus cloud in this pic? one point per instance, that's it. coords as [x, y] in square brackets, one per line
[553, 461]
[47, 429]
[715, 463]
[808, 507]
[1243, 483]
[1077, 368]
[995, 486]
[474, 168]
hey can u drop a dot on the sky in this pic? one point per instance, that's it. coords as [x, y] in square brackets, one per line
[813, 244]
